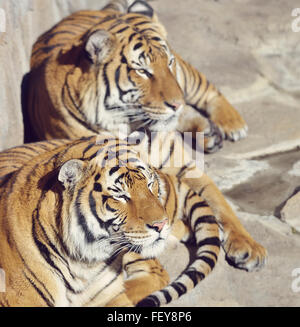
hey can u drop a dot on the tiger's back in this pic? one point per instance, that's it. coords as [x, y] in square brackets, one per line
[14, 158]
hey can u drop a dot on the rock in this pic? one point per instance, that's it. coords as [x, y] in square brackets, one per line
[291, 212]
[25, 21]
[295, 171]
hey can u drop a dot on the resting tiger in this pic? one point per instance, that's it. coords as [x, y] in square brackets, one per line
[76, 215]
[114, 69]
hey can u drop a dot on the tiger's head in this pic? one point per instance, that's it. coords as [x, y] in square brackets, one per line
[112, 207]
[134, 71]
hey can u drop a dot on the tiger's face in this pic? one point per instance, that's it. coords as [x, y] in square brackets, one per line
[113, 209]
[136, 75]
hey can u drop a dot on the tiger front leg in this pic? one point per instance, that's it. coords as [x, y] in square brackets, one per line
[143, 276]
[206, 99]
[241, 250]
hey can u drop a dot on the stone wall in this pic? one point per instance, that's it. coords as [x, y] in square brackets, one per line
[245, 47]
[25, 21]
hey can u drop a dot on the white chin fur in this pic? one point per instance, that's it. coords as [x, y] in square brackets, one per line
[163, 126]
[153, 250]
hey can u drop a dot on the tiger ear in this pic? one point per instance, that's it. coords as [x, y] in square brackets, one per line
[141, 7]
[99, 45]
[71, 172]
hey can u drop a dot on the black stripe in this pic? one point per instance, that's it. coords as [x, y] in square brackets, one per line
[89, 237]
[5, 179]
[44, 251]
[138, 45]
[167, 296]
[106, 82]
[123, 29]
[133, 262]
[195, 276]
[171, 151]
[129, 19]
[117, 273]
[47, 49]
[105, 198]
[52, 246]
[41, 294]
[21, 153]
[119, 178]
[188, 195]
[210, 253]
[207, 260]
[179, 288]
[209, 241]
[109, 208]
[48, 37]
[198, 205]
[208, 219]
[97, 187]
[93, 206]
[156, 38]
[117, 79]
[147, 30]
[183, 168]
[87, 149]
[142, 23]
[25, 264]
[80, 121]
[113, 170]
[131, 37]
[149, 301]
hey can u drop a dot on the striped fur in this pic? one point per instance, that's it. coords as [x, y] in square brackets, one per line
[114, 69]
[71, 210]
[204, 228]
[167, 152]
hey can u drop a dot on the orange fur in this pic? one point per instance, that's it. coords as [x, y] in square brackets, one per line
[59, 203]
[103, 70]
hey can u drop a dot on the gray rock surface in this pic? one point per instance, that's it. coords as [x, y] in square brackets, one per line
[291, 212]
[248, 49]
[25, 21]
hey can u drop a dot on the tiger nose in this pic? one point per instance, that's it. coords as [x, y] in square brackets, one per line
[158, 226]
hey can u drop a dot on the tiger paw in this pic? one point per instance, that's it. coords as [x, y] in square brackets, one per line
[229, 121]
[213, 138]
[243, 252]
[137, 267]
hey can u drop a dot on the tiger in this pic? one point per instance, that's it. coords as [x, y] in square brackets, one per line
[112, 69]
[83, 221]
